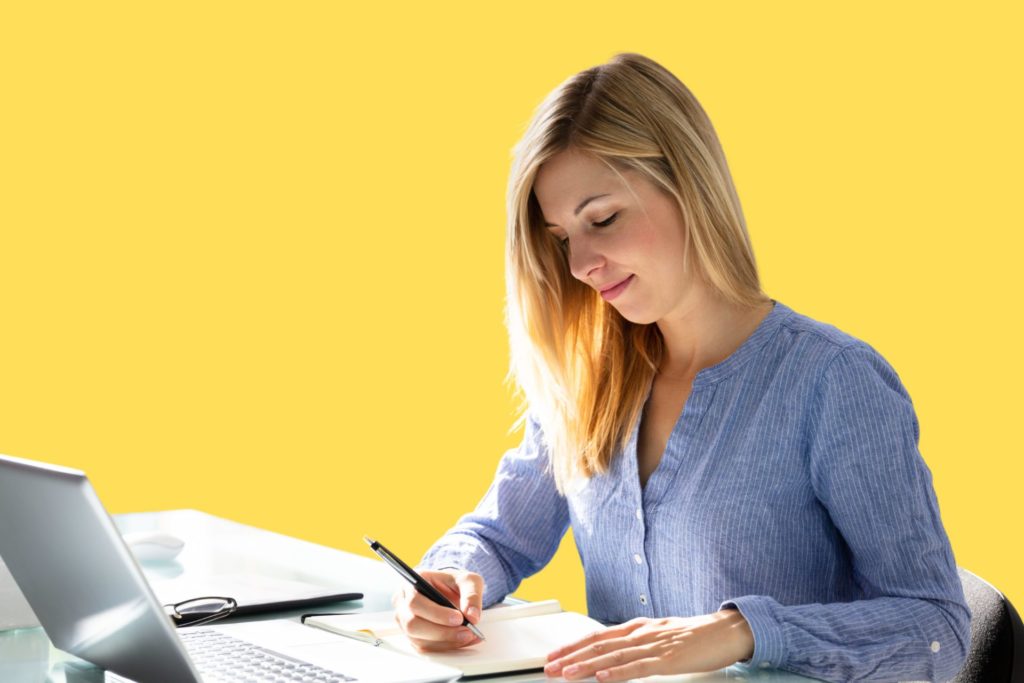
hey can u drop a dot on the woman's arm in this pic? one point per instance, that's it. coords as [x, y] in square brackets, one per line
[515, 529]
[867, 472]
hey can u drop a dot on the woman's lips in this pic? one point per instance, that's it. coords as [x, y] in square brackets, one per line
[611, 293]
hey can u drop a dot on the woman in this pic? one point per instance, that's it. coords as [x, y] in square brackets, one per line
[743, 482]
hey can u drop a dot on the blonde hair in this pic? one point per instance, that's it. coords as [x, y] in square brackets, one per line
[582, 369]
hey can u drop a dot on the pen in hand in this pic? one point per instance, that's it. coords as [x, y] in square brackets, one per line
[422, 586]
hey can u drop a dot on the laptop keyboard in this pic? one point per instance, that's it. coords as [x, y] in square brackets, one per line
[220, 657]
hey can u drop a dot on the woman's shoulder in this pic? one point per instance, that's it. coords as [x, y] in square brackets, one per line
[814, 331]
[816, 346]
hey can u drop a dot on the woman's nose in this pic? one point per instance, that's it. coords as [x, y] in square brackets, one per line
[583, 259]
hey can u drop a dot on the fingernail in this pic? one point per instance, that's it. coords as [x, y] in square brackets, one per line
[455, 619]
[553, 668]
[602, 675]
[571, 671]
[465, 637]
[473, 612]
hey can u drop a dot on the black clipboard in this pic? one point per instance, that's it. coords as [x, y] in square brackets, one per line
[283, 606]
[250, 608]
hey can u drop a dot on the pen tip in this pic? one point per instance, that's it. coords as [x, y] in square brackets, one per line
[369, 540]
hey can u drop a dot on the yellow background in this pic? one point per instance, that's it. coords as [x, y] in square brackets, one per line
[251, 256]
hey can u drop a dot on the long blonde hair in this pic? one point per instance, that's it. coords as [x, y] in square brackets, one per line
[582, 369]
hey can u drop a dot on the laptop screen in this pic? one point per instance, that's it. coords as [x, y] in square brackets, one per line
[79, 577]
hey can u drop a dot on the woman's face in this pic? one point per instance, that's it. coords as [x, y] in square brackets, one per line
[617, 237]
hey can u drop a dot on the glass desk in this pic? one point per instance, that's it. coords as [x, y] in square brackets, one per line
[213, 546]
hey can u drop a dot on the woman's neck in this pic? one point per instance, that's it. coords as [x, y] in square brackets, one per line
[704, 331]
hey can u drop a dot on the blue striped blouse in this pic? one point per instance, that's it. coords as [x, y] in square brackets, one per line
[791, 489]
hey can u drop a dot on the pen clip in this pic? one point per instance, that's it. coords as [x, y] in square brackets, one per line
[404, 570]
[362, 636]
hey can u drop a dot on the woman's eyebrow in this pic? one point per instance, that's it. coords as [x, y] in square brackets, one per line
[578, 208]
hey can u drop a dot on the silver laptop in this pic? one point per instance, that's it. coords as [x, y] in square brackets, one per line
[90, 596]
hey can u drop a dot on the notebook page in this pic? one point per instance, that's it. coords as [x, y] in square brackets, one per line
[517, 637]
[511, 645]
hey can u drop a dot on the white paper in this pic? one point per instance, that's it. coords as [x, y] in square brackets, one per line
[516, 637]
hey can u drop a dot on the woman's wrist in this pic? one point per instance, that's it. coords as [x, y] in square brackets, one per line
[740, 634]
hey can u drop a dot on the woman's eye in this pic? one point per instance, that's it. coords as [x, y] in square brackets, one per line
[603, 224]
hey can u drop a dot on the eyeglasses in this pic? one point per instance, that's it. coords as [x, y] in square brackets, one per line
[200, 610]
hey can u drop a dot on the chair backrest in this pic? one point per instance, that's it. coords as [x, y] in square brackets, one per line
[997, 635]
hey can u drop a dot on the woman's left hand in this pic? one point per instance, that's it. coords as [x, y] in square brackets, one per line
[645, 647]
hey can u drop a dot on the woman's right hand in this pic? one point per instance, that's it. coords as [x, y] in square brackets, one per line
[431, 627]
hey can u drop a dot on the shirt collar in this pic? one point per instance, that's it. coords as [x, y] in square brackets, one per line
[748, 349]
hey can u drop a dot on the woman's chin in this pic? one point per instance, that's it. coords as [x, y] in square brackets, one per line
[634, 316]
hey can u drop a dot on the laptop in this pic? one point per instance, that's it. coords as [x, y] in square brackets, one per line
[92, 599]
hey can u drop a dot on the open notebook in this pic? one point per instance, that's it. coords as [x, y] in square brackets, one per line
[517, 637]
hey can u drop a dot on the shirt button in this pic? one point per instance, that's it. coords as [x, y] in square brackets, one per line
[935, 646]
[638, 559]
[766, 665]
[640, 514]
[643, 599]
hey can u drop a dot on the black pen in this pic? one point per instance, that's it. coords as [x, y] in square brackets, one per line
[422, 586]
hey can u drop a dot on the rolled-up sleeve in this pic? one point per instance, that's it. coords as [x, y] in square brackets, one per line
[515, 529]
[866, 470]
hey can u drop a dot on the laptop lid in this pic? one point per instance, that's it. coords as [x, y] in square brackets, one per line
[79, 577]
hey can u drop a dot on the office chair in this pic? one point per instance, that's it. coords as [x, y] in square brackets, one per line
[997, 635]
